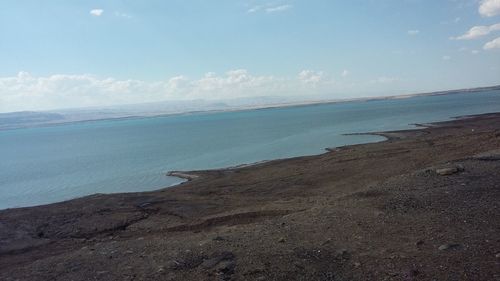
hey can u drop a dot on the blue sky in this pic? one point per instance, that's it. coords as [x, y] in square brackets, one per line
[56, 54]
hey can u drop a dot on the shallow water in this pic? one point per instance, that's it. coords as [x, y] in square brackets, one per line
[50, 164]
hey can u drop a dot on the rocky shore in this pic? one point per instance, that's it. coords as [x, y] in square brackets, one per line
[423, 205]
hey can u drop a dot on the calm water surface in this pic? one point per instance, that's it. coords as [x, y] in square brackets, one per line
[50, 164]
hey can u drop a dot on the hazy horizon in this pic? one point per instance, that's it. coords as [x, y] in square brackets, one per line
[60, 55]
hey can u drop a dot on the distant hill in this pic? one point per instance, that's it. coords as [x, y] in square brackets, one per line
[24, 119]
[19, 119]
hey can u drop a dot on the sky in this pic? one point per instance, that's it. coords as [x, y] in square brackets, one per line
[67, 54]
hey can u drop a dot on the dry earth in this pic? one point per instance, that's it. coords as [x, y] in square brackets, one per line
[423, 205]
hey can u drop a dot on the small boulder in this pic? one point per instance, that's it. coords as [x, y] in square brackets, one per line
[448, 246]
[447, 171]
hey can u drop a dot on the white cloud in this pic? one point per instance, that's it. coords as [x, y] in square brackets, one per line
[413, 32]
[270, 8]
[489, 8]
[345, 73]
[478, 31]
[278, 8]
[474, 52]
[495, 44]
[254, 9]
[446, 57]
[27, 92]
[311, 77]
[96, 12]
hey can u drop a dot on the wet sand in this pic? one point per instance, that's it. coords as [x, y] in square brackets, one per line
[423, 205]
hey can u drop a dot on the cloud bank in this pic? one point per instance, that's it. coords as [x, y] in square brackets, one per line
[478, 31]
[270, 8]
[494, 44]
[96, 12]
[27, 92]
[489, 8]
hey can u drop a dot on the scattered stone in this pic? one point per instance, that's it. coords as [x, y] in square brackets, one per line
[448, 246]
[282, 240]
[173, 264]
[447, 171]
[218, 238]
[493, 155]
[144, 205]
[327, 241]
[357, 264]
[497, 256]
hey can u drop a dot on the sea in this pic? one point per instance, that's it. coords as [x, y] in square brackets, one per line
[49, 164]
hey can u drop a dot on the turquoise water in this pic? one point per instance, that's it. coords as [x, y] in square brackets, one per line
[50, 164]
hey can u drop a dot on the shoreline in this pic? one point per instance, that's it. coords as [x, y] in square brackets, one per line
[190, 175]
[257, 107]
[417, 206]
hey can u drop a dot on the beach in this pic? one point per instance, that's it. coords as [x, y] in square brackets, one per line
[422, 205]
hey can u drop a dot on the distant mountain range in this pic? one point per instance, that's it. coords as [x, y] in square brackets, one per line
[23, 119]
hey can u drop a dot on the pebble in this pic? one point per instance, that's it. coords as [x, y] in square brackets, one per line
[447, 171]
[326, 241]
[282, 240]
[448, 246]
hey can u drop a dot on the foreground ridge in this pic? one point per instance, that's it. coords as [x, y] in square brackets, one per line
[422, 205]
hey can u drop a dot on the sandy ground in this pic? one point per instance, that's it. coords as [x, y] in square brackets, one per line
[424, 205]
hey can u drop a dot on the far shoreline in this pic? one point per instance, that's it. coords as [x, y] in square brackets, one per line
[254, 108]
